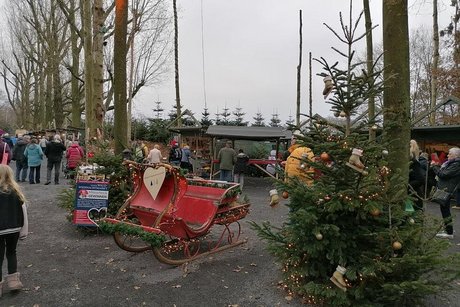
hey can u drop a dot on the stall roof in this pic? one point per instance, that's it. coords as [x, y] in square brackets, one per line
[248, 133]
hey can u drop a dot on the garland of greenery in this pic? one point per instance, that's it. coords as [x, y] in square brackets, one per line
[155, 240]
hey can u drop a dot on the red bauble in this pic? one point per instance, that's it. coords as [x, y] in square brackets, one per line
[325, 157]
[285, 194]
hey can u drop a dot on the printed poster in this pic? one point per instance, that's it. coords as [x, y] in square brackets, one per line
[91, 201]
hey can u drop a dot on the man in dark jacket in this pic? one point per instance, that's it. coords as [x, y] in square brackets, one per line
[53, 152]
[20, 158]
[448, 180]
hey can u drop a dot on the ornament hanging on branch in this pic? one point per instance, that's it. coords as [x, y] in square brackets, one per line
[337, 278]
[328, 86]
[274, 198]
[397, 245]
[354, 161]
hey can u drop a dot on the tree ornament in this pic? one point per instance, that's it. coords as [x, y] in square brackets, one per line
[325, 157]
[337, 277]
[396, 245]
[375, 212]
[374, 127]
[328, 86]
[384, 171]
[319, 236]
[285, 194]
[408, 206]
[274, 198]
[342, 114]
[411, 221]
[355, 163]
[385, 152]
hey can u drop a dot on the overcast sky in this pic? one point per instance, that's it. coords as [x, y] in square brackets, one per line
[251, 53]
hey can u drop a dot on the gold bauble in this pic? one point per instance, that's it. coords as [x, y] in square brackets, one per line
[375, 212]
[319, 236]
[397, 245]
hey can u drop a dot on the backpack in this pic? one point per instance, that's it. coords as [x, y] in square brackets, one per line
[176, 154]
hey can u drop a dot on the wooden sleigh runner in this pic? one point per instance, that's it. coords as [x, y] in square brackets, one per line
[181, 210]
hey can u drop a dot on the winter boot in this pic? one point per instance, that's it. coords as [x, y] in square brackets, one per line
[328, 86]
[355, 163]
[337, 278]
[1, 288]
[12, 282]
[274, 198]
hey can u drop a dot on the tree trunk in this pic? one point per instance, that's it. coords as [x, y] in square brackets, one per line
[131, 73]
[90, 129]
[434, 67]
[98, 67]
[396, 95]
[176, 65]
[74, 82]
[370, 65]
[119, 83]
[299, 70]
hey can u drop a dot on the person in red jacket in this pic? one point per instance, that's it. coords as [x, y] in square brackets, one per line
[74, 155]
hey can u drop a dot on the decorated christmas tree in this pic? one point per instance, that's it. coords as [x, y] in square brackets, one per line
[352, 236]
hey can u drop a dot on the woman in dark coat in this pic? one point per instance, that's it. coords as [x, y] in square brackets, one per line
[448, 179]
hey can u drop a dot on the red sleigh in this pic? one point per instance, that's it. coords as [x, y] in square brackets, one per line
[184, 210]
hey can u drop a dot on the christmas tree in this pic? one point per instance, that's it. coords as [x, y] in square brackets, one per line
[352, 237]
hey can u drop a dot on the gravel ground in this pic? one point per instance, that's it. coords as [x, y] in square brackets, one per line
[61, 265]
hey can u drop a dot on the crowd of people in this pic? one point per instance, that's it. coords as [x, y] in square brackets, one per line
[30, 151]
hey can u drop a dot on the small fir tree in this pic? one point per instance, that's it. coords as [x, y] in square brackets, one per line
[205, 120]
[225, 120]
[239, 117]
[275, 121]
[258, 120]
[351, 238]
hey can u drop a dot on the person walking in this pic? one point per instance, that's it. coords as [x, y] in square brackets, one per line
[186, 154]
[5, 149]
[7, 139]
[53, 152]
[175, 154]
[74, 155]
[416, 175]
[43, 143]
[20, 158]
[227, 158]
[154, 155]
[11, 221]
[448, 175]
[241, 167]
[34, 156]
